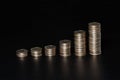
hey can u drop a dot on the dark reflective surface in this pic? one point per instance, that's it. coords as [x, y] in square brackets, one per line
[96, 68]
[60, 68]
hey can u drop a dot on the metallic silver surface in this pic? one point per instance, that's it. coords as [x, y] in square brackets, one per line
[21, 53]
[65, 47]
[80, 42]
[36, 51]
[94, 38]
[50, 50]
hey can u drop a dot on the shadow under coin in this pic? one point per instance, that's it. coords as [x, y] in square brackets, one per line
[49, 72]
[37, 69]
[64, 68]
[79, 68]
[21, 69]
[96, 69]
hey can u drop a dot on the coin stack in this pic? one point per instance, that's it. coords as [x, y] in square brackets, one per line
[65, 48]
[80, 43]
[50, 50]
[36, 51]
[94, 38]
[21, 53]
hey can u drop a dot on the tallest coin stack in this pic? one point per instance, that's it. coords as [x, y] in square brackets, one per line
[94, 38]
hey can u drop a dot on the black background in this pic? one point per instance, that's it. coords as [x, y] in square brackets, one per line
[54, 21]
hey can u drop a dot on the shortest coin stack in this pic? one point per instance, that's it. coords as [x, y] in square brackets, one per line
[36, 51]
[65, 48]
[50, 50]
[21, 53]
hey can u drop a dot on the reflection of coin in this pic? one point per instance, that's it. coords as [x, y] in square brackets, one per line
[50, 50]
[36, 51]
[94, 38]
[65, 48]
[22, 53]
[80, 43]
